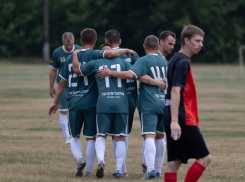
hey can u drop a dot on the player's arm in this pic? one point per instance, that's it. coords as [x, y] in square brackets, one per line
[75, 62]
[53, 108]
[174, 107]
[119, 74]
[118, 52]
[52, 76]
[146, 79]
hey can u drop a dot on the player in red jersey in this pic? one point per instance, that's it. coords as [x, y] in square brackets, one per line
[181, 123]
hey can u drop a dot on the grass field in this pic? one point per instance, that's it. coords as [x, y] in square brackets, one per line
[32, 146]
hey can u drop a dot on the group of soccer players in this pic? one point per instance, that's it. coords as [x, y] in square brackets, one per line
[99, 89]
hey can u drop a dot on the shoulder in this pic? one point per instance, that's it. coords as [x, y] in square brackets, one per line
[78, 47]
[58, 50]
[179, 58]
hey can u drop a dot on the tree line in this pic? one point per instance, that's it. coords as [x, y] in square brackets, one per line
[22, 34]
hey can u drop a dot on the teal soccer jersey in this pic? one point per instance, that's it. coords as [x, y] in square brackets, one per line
[131, 84]
[112, 91]
[82, 90]
[58, 58]
[151, 99]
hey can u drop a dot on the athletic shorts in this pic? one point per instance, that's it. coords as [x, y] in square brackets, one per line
[190, 145]
[85, 118]
[130, 118]
[114, 124]
[63, 102]
[151, 123]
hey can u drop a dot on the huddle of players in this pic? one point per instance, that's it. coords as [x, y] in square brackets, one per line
[111, 106]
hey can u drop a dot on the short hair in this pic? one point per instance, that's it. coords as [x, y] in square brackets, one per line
[189, 31]
[88, 36]
[104, 47]
[113, 36]
[67, 36]
[151, 42]
[163, 35]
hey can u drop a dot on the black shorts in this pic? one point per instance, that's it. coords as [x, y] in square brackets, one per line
[190, 145]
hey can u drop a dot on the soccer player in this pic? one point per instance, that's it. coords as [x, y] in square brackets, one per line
[113, 38]
[151, 99]
[181, 123]
[112, 110]
[167, 41]
[58, 58]
[83, 95]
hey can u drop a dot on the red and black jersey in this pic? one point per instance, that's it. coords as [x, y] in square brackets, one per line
[179, 74]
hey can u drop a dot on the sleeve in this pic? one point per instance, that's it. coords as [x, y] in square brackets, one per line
[181, 70]
[139, 68]
[97, 54]
[64, 72]
[53, 63]
[89, 68]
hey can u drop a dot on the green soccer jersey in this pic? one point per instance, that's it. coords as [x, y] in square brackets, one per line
[82, 90]
[58, 58]
[112, 91]
[151, 99]
[131, 84]
[159, 54]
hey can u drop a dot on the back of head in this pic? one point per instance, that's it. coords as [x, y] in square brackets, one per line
[113, 36]
[68, 37]
[88, 36]
[163, 35]
[105, 47]
[189, 31]
[151, 42]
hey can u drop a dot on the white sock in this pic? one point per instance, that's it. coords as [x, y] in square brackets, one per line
[120, 154]
[76, 148]
[142, 150]
[160, 154]
[124, 170]
[90, 155]
[64, 125]
[114, 147]
[150, 153]
[100, 149]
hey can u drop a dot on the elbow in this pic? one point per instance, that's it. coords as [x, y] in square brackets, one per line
[76, 71]
[131, 76]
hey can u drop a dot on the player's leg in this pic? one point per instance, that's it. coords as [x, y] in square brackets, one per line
[103, 123]
[120, 123]
[75, 125]
[171, 171]
[148, 130]
[89, 132]
[63, 108]
[160, 146]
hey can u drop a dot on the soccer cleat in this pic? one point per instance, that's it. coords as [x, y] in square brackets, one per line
[158, 175]
[100, 170]
[88, 174]
[144, 168]
[149, 175]
[118, 174]
[80, 166]
[125, 175]
[67, 140]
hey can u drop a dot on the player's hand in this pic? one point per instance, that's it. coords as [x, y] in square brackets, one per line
[161, 84]
[77, 51]
[52, 92]
[130, 52]
[175, 131]
[103, 73]
[53, 108]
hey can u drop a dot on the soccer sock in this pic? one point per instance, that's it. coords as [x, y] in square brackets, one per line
[114, 147]
[124, 170]
[142, 150]
[194, 172]
[160, 154]
[100, 149]
[64, 125]
[120, 154]
[150, 153]
[90, 155]
[76, 148]
[170, 177]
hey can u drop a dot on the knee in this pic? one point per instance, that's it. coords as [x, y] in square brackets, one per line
[173, 166]
[205, 161]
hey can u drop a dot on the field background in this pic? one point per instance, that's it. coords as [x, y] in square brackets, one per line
[32, 146]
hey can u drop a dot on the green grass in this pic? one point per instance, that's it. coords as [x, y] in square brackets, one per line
[32, 146]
